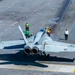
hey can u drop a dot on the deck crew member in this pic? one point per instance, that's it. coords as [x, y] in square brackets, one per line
[27, 33]
[66, 33]
[48, 30]
[27, 26]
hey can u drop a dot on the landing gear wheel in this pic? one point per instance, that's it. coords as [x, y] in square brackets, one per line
[44, 53]
[48, 55]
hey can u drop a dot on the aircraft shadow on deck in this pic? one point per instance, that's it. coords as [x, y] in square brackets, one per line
[31, 60]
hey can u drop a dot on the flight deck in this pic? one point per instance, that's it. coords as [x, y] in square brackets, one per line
[38, 14]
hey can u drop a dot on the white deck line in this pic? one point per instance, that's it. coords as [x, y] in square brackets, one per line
[50, 68]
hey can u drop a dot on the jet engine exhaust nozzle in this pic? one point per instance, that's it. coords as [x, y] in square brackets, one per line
[35, 50]
[27, 50]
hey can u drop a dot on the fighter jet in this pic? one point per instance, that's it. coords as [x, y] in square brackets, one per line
[40, 43]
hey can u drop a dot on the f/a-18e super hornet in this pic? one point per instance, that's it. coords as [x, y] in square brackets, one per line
[40, 43]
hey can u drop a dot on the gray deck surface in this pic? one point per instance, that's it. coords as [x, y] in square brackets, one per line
[38, 13]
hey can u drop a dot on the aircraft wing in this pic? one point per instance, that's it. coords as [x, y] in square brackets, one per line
[46, 44]
[15, 44]
[60, 47]
[11, 44]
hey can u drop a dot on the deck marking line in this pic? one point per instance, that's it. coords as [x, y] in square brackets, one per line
[14, 23]
[50, 68]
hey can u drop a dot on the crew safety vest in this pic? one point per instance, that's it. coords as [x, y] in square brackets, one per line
[48, 30]
[27, 32]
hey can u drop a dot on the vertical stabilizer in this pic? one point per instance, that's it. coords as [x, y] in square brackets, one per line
[24, 37]
[38, 36]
